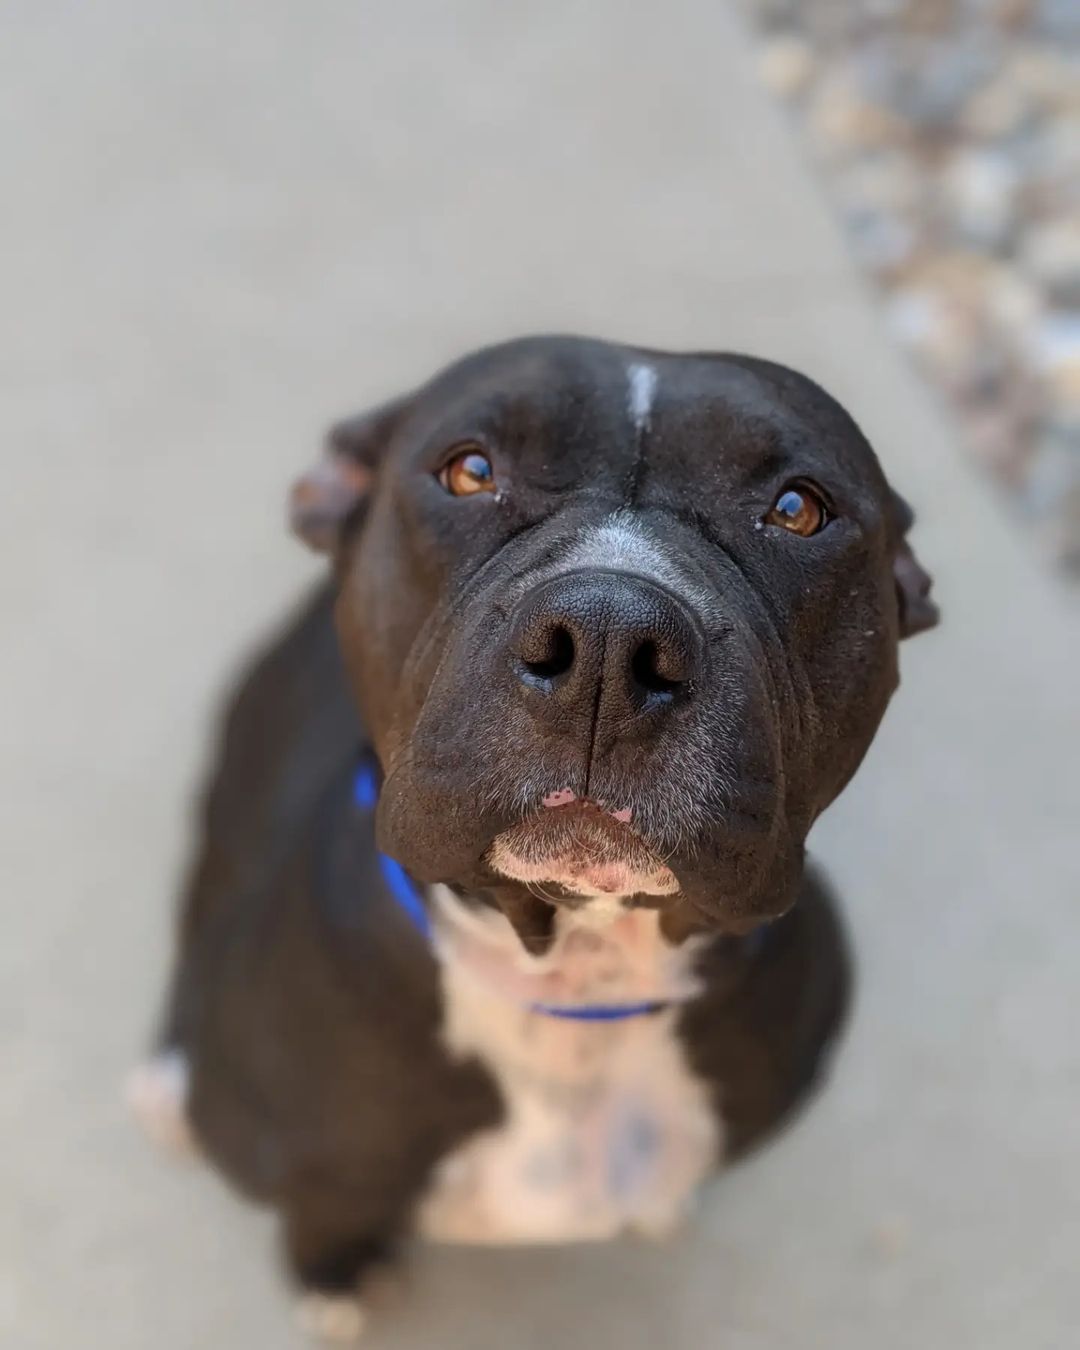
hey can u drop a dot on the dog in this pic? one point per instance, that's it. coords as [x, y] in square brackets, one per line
[500, 929]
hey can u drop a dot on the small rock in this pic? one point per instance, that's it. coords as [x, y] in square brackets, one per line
[841, 121]
[927, 81]
[1051, 257]
[1012, 13]
[994, 434]
[1053, 479]
[910, 314]
[1000, 107]
[882, 242]
[882, 197]
[1012, 302]
[1057, 162]
[1048, 163]
[978, 188]
[889, 180]
[1056, 352]
[943, 334]
[960, 275]
[787, 66]
[1046, 76]
[1059, 20]
[988, 370]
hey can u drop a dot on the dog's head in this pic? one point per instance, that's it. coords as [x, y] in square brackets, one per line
[620, 623]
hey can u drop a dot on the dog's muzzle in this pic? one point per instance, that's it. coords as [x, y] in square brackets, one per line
[599, 657]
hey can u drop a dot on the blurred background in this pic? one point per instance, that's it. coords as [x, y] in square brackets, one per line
[947, 134]
[226, 224]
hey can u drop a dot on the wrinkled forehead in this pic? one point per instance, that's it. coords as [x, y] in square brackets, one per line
[535, 391]
[687, 413]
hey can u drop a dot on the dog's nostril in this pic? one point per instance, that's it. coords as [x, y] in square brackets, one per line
[550, 654]
[655, 671]
[603, 645]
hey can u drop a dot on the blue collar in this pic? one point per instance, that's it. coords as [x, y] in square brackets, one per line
[406, 895]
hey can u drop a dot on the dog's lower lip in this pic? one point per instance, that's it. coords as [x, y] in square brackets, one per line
[585, 848]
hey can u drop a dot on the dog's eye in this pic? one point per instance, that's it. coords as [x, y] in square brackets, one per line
[800, 509]
[468, 472]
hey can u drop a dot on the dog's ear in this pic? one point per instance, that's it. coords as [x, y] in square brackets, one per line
[917, 611]
[333, 489]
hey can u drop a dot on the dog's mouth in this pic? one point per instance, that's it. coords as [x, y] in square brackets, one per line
[577, 847]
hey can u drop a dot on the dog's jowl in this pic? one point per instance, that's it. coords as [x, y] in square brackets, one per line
[500, 928]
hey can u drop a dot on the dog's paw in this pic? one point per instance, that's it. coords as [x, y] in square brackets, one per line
[657, 1228]
[338, 1318]
[156, 1095]
[666, 1221]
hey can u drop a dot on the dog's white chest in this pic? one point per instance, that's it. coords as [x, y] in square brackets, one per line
[605, 1128]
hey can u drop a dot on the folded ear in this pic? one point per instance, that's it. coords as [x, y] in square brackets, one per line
[917, 611]
[335, 488]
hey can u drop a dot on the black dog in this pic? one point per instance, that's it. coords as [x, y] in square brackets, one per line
[619, 625]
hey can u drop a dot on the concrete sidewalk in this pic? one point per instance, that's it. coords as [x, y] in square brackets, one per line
[225, 225]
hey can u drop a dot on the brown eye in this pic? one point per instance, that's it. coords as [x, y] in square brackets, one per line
[468, 472]
[798, 509]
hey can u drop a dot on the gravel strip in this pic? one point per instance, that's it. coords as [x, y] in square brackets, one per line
[948, 135]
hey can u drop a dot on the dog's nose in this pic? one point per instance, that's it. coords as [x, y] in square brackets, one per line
[611, 644]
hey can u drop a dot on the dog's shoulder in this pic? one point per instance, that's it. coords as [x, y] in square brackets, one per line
[772, 1009]
[289, 725]
[288, 729]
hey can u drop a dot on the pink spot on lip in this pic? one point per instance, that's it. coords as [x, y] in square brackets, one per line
[623, 815]
[563, 797]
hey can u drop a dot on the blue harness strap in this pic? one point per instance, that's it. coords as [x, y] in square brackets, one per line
[398, 881]
[598, 1012]
[406, 895]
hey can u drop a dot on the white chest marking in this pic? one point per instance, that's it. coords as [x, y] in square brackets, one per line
[642, 380]
[605, 1128]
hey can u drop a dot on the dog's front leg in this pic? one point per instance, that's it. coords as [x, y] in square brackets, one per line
[338, 1259]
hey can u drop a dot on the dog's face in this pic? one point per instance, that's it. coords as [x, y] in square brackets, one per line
[620, 623]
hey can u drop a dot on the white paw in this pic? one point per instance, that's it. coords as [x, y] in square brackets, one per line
[665, 1222]
[156, 1095]
[656, 1227]
[331, 1317]
[383, 1286]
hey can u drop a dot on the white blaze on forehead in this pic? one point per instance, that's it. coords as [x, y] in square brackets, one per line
[642, 380]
